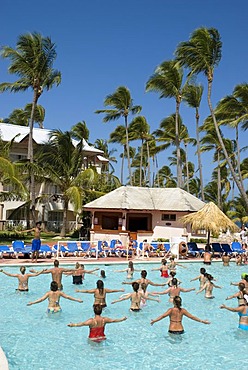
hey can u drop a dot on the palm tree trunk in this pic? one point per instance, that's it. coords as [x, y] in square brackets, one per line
[235, 178]
[64, 225]
[141, 159]
[179, 168]
[148, 163]
[31, 155]
[187, 166]
[199, 154]
[128, 152]
[238, 154]
[218, 180]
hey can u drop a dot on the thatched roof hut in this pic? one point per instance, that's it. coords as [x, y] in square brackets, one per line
[209, 218]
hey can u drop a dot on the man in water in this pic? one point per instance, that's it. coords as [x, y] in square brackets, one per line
[22, 278]
[56, 272]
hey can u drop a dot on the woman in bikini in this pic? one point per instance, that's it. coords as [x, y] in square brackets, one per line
[208, 286]
[53, 297]
[144, 280]
[239, 295]
[78, 273]
[22, 278]
[176, 315]
[129, 270]
[202, 277]
[242, 311]
[163, 269]
[97, 324]
[100, 293]
[174, 290]
[135, 298]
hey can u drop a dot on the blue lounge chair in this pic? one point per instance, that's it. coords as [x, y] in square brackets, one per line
[217, 249]
[5, 250]
[18, 248]
[62, 250]
[86, 246]
[73, 248]
[45, 251]
[237, 248]
[193, 250]
[226, 248]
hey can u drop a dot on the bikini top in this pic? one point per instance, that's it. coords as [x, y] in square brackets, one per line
[244, 314]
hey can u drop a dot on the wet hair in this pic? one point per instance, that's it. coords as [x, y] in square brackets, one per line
[54, 286]
[143, 274]
[23, 269]
[208, 248]
[174, 281]
[135, 286]
[143, 286]
[242, 287]
[56, 263]
[202, 270]
[164, 262]
[130, 265]
[173, 273]
[100, 286]
[209, 277]
[77, 265]
[97, 309]
[102, 272]
[177, 302]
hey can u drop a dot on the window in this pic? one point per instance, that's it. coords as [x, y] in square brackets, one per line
[168, 217]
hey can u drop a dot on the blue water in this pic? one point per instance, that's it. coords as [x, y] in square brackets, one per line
[33, 340]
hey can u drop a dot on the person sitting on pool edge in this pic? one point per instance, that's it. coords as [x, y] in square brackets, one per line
[97, 324]
[176, 315]
[53, 297]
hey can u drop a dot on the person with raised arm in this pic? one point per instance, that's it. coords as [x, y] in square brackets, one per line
[129, 270]
[176, 316]
[163, 269]
[244, 280]
[202, 278]
[144, 280]
[174, 290]
[53, 297]
[99, 293]
[242, 311]
[78, 273]
[135, 297]
[36, 242]
[239, 295]
[56, 273]
[97, 324]
[22, 278]
[208, 287]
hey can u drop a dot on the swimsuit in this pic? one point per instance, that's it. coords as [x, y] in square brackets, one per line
[77, 279]
[207, 263]
[135, 309]
[176, 331]
[243, 326]
[36, 243]
[22, 290]
[97, 333]
[54, 309]
[164, 273]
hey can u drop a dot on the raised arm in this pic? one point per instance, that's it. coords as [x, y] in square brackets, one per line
[85, 323]
[39, 300]
[90, 291]
[196, 278]
[90, 271]
[161, 317]
[122, 298]
[186, 290]
[186, 313]
[121, 270]
[107, 320]
[203, 287]
[232, 309]
[114, 290]
[36, 273]
[62, 294]
[232, 296]
[217, 286]
[8, 273]
[155, 284]
[164, 292]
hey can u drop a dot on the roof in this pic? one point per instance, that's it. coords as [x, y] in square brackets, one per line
[40, 135]
[138, 198]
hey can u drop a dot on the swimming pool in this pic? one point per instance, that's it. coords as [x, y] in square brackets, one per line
[33, 340]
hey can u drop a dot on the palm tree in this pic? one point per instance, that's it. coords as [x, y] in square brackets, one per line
[167, 80]
[202, 53]
[165, 178]
[139, 129]
[22, 116]
[60, 161]
[81, 133]
[192, 96]
[119, 136]
[122, 104]
[32, 61]
[108, 154]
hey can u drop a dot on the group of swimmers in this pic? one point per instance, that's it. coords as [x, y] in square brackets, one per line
[138, 297]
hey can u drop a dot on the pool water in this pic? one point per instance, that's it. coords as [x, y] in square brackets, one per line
[33, 340]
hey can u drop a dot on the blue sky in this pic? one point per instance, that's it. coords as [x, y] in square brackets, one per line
[105, 44]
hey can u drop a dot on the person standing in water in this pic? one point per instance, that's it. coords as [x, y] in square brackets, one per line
[208, 286]
[176, 315]
[144, 280]
[202, 277]
[242, 312]
[135, 298]
[100, 293]
[97, 324]
[174, 290]
[53, 297]
[129, 270]
[163, 269]
[22, 278]
[78, 273]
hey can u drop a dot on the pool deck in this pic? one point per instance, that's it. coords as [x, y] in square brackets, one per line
[101, 261]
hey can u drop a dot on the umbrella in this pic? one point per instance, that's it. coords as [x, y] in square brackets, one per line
[209, 218]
